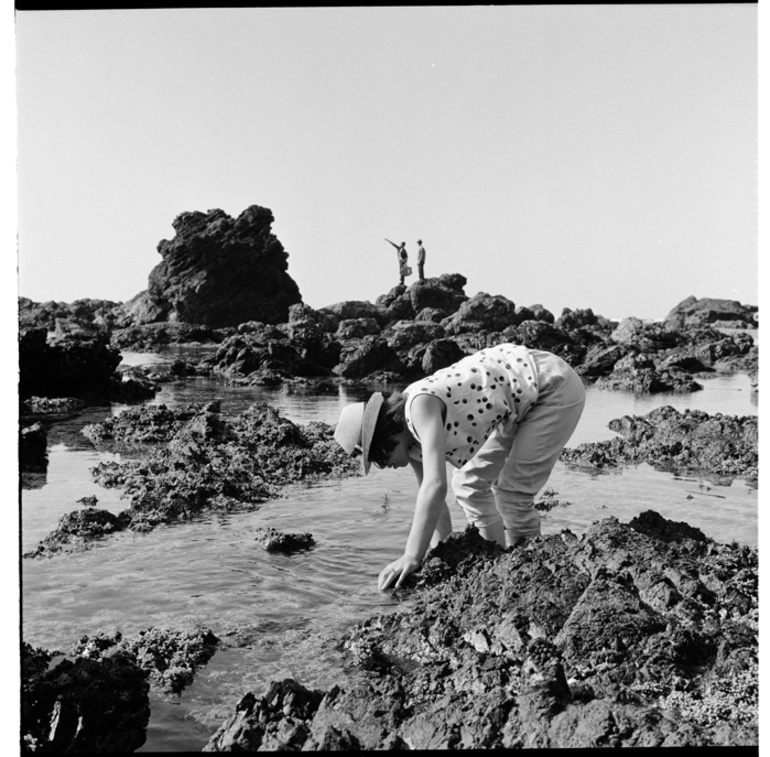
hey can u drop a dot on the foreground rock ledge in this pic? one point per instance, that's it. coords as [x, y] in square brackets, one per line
[641, 634]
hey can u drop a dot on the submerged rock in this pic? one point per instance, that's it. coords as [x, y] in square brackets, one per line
[631, 635]
[272, 540]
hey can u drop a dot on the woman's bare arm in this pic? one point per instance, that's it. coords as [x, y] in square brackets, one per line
[426, 412]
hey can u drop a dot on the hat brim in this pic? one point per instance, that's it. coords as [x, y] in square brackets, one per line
[368, 425]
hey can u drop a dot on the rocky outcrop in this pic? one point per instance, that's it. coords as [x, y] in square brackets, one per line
[717, 446]
[169, 656]
[76, 366]
[360, 358]
[638, 373]
[482, 312]
[196, 462]
[693, 312]
[219, 271]
[92, 706]
[273, 540]
[96, 316]
[636, 635]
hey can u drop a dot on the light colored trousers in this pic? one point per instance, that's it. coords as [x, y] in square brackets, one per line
[504, 476]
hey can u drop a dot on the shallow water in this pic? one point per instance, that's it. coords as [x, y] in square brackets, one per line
[278, 613]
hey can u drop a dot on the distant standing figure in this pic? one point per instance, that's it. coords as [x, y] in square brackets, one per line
[420, 260]
[403, 259]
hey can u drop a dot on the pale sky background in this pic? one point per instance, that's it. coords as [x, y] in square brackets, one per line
[574, 156]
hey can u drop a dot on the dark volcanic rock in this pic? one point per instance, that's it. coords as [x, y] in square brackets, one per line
[69, 367]
[439, 354]
[95, 316]
[482, 312]
[355, 328]
[637, 635]
[170, 656]
[695, 312]
[301, 348]
[219, 271]
[638, 373]
[92, 706]
[149, 336]
[272, 540]
[32, 448]
[447, 293]
[719, 446]
[356, 309]
[360, 358]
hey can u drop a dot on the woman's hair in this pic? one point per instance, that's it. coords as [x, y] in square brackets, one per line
[390, 424]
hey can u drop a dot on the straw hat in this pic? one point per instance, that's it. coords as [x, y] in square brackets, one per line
[355, 427]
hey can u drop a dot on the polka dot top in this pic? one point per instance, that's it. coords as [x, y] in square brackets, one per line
[482, 391]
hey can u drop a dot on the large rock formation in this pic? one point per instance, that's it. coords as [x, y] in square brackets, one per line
[219, 271]
[708, 310]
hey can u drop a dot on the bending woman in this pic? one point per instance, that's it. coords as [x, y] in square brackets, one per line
[500, 417]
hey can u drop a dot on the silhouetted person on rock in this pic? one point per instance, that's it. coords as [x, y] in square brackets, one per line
[420, 260]
[403, 259]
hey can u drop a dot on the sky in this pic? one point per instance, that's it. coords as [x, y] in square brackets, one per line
[572, 156]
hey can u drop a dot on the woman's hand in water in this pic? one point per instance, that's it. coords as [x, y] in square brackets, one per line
[393, 576]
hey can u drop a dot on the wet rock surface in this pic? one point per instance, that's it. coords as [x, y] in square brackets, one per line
[717, 446]
[637, 635]
[170, 656]
[195, 462]
[272, 540]
[82, 705]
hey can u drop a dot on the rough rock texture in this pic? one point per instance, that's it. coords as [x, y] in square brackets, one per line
[717, 446]
[92, 706]
[78, 530]
[694, 312]
[637, 635]
[219, 271]
[637, 373]
[482, 312]
[439, 354]
[170, 656]
[359, 358]
[198, 461]
[150, 336]
[446, 293]
[272, 540]
[99, 316]
[388, 340]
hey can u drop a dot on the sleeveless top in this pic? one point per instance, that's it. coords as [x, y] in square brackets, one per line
[491, 388]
